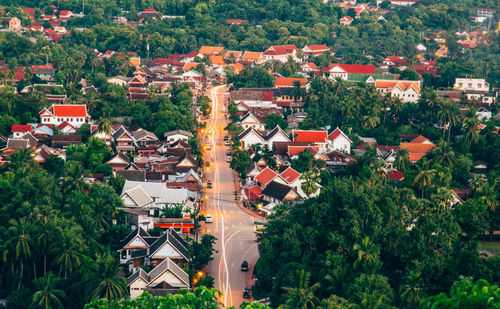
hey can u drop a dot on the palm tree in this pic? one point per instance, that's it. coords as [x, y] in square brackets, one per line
[471, 130]
[367, 255]
[301, 296]
[370, 121]
[402, 159]
[424, 176]
[445, 154]
[309, 186]
[105, 126]
[443, 198]
[103, 280]
[19, 244]
[46, 295]
[67, 254]
[46, 228]
[448, 115]
[412, 292]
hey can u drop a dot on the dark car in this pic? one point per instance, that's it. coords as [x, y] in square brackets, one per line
[228, 151]
[209, 185]
[246, 293]
[208, 163]
[226, 138]
[244, 266]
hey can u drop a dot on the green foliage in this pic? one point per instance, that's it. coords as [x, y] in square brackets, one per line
[276, 120]
[200, 298]
[252, 77]
[240, 162]
[466, 294]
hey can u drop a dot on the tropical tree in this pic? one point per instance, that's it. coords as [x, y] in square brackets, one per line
[471, 130]
[300, 296]
[46, 295]
[367, 255]
[19, 244]
[310, 184]
[371, 121]
[412, 289]
[424, 176]
[445, 155]
[402, 159]
[67, 253]
[103, 280]
[448, 115]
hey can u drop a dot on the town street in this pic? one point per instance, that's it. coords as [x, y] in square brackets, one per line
[234, 229]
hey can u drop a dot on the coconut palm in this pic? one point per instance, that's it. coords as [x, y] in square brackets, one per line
[47, 296]
[424, 176]
[411, 291]
[105, 126]
[371, 121]
[402, 159]
[367, 253]
[471, 130]
[310, 184]
[67, 254]
[19, 244]
[448, 115]
[103, 280]
[301, 296]
[443, 198]
[445, 154]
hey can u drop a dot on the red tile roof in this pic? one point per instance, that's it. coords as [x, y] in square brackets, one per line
[396, 175]
[290, 175]
[353, 68]
[421, 139]
[321, 47]
[21, 128]
[237, 21]
[309, 136]
[69, 110]
[253, 193]
[289, 82]
[295, 150]
[335, 133]
[266, 176]
[267, 96]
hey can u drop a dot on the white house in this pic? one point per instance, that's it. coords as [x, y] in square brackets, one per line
[276, 135]
[337, 140]
[249, 120]
[251, 137]
[75, 115]
[472, 84]
[281, 53]
[406, 91]
[174, 136]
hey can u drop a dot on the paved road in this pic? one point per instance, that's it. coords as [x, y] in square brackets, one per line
[234, 229]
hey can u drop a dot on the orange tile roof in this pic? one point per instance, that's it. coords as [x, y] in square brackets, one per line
[318, 47]
[211, 50]
[295, 150]
[69, 110]
[288, 82]
[399, 83]
[309, 136]
[266, 175]
[238, 67]
[189, 66]
[290, 175]
[236, 54]
[217, 60]
[416, 150]
[252, 55]
[312, 65]
[421, 139]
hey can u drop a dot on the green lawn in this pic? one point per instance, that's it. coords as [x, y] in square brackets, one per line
[490, 246]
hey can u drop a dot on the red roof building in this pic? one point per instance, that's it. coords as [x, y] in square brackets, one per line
[315, 50]
[266, 176]
[289, 82]
[18, 130]
[290, 175]
[237, 21]
[253, 193]
[309, 136]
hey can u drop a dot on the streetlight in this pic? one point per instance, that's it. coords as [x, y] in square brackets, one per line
[200, 274]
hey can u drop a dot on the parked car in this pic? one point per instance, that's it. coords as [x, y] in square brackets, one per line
[209, 185]
[208, 218]
[228, 159]
[246, 293]
[244, 266]
[208, 163]
[226, 138]
[228, 151]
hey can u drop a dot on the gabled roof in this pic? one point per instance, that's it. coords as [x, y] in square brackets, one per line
[290, 175]
[174, 240]
[336, 133]
[265, 176]
[289, 82]
[17, 143]
[211, 50]
[32, 140]
[120, 156]
[141, 133]
[253, 193]
[277, 190]
[421, 140]
[248, 131]
[295, 150]
[139, 196]
[141, 273]
[403, 85]
[249, 115]
[139, 231]
[309, 136]
[274, 132]
[317, 48]
[353, 68]
[64, 110]
[21, 128]
[121, 131]
[166, 265]
[182, 132]
[216, 60]
[252, 55]
[396, 175]
[236, 54]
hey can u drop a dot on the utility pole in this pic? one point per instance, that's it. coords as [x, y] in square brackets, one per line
[83, 7]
